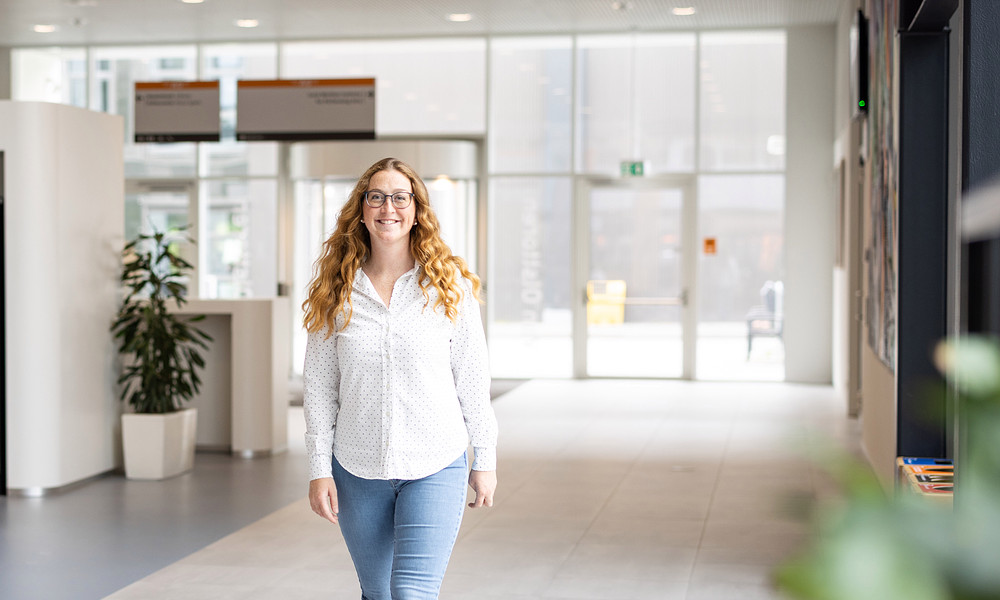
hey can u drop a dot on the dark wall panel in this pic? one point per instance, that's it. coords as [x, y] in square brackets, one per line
[3, 341]
[981, 157]
[923, 241]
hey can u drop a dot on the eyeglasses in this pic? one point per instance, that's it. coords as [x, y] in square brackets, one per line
[399, 199]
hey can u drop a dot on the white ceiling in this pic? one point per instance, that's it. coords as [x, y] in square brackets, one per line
[157, 21]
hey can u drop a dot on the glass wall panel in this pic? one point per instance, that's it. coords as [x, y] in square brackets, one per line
[454, 205]
[530, 326]
[742, 101]
[237, 241]
[114, 71]
[310, 233]
[423, 86]
[148, 210]
[742, 282]
[317, 205]
[163, 209]
[335, 194]
[49, 75]
[163, 161]
[229, 63]
[530, 105]
[635, 101]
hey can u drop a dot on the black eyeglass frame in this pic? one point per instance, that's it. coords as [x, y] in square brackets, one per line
[409, 199]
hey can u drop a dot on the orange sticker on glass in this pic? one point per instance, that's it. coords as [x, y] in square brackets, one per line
[710, 246]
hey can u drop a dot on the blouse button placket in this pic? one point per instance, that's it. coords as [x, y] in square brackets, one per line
[387, 394]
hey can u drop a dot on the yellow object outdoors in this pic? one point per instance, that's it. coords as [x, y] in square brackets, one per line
[605, 302]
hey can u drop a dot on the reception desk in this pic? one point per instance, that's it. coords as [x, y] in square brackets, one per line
[243, 403]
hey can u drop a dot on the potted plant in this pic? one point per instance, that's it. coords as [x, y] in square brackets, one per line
[871, 545]
[161, 356]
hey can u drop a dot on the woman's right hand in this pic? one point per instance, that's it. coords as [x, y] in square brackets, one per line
[323, 498]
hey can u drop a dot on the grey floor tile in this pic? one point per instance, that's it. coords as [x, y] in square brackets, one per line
[632, 561]
[671, 506]
[544, 491]
[774, 506]
[672, 472]
[740, 555]
[612, 529]
[505, 558]
[191, 591]
[706, 572]
[729, 590]
[570, 469]
[529, 529]
[285, 593]
[319, 579]
[773, 540]
[606, 588]
[490, 584]
[182, 575]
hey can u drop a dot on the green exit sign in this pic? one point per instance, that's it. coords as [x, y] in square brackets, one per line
[633, 168]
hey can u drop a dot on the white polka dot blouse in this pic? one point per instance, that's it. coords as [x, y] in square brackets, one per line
[400, 392]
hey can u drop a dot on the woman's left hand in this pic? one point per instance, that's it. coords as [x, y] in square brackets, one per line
[484, 483]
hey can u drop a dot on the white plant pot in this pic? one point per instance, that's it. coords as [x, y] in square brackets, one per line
[159, 446]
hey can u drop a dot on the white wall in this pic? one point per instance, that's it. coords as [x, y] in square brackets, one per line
[879, 418]
[878, 382]
[847, 292]
[64, 228]
[809, 204]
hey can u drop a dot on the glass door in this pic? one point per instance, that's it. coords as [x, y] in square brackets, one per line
[634, 276]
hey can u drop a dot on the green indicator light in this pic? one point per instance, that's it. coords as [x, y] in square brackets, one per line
[861, 103]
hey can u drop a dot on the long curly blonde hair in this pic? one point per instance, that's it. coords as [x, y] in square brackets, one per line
[350, 246]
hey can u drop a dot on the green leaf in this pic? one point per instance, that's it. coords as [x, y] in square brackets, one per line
[905, 547]
[973, 363]
[161, 364]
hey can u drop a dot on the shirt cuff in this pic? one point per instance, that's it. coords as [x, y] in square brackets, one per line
[320, 466]
[486, 459]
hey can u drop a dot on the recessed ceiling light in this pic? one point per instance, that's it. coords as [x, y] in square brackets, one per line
[44, 28]
[459, 17]
[248, 23]
[442, 182]
[683, 11]
[192, 1]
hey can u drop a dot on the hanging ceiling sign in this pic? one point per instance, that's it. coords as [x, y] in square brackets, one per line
[177, 111]
[306, 109]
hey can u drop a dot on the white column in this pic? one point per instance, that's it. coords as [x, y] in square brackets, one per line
[810, 207]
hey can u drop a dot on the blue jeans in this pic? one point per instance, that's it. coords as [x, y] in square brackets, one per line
[399, 532]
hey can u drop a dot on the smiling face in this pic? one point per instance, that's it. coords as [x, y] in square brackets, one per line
[387, 224]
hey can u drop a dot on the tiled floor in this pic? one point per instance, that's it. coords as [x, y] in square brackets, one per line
[608, 490]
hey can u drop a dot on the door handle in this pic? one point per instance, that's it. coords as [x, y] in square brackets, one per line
[679, 300]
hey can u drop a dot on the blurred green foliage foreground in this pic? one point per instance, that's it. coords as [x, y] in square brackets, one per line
[876, 547]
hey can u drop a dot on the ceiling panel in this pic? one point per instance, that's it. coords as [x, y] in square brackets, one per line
[141, 21]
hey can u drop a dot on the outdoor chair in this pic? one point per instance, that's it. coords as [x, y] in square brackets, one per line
[766, 319]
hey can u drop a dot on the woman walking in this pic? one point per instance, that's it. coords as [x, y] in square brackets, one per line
[396, 383]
